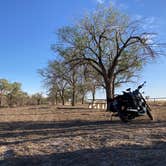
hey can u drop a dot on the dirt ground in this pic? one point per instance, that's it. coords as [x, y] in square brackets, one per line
[64, 136]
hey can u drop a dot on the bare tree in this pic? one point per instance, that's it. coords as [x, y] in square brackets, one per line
[54, 79]
[111, 43]
[13, 93]
[4, 88]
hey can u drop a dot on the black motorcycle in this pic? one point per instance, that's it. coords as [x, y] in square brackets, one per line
[130, 105]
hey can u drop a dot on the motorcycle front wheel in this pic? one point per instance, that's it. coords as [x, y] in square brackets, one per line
[149, 112]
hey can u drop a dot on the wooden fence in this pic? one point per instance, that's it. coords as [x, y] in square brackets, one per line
[97, 104]
[102, 104]
[157, 99]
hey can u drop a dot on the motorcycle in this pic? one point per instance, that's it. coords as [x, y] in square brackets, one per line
[130, 104]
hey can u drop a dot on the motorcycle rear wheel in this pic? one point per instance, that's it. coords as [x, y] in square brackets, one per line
[124, 117]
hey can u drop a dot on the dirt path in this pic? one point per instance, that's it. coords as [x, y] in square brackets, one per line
[80, 137]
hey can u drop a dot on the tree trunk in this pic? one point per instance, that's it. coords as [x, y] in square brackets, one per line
[56, 98]
[109, 92]
[38, 102]
[82, 99]
[73, 96]
[63, 101]
[62, 97]
[0, 100]
[73, 87]
[93, 95]
[9, 100]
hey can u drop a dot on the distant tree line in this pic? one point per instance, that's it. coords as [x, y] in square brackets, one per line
[69, 83]
[11, 95]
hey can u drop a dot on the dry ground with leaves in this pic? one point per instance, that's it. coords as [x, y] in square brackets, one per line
[78, 136]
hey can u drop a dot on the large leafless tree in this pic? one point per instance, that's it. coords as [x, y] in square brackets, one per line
[111, 43]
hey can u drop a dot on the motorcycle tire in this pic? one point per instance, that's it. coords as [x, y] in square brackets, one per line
[148, 109]
[124, 117]
[149, 112]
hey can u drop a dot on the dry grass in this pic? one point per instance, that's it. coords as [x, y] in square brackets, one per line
[79, 137]
[158, 103]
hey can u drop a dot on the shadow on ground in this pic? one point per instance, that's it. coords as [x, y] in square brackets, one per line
[116, 156]
[22, 132]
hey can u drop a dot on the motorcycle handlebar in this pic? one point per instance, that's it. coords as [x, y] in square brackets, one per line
[140, 86]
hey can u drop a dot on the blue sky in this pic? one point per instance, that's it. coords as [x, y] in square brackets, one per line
[27, 30]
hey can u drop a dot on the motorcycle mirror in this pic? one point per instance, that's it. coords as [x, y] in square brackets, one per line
[140, 86]
[143, 92]
[129, 89]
